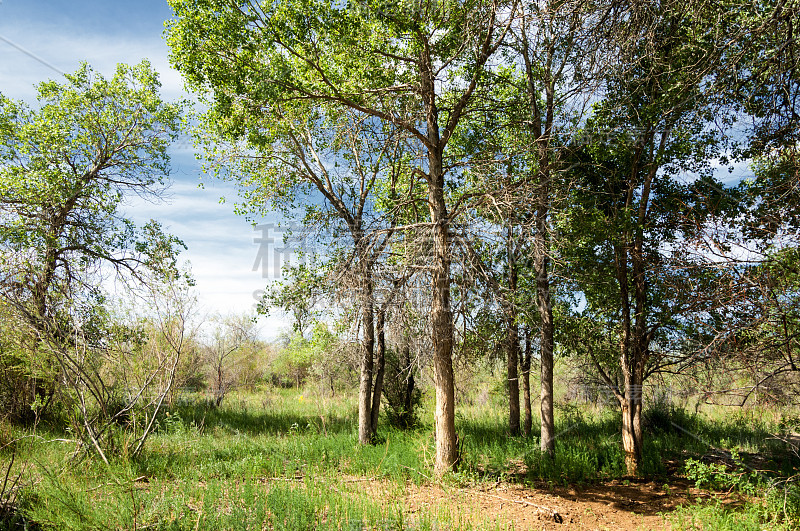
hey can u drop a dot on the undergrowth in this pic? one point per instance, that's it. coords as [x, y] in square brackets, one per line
[284, 460]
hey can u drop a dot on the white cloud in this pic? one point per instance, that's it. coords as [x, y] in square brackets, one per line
[64, 50]
[220, 244]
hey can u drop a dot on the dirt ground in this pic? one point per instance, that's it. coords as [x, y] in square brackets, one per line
[615, 505]
[596, 507]
[634, 504]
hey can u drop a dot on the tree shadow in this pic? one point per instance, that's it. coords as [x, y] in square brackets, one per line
[262, 421]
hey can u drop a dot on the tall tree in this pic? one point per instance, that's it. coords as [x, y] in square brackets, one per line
[655, 122]
[426, 59]
[65, 168]
[329, 162]
[562, 49]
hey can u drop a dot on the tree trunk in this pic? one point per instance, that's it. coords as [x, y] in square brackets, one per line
[365, 381]
[513, 375]
[512, 338]
[408, 397]
[541, 261]
[526, 384]
[379, 371]
[633, 360]
[632, 429]
[441, 313]
[442, 329]
[542, 128]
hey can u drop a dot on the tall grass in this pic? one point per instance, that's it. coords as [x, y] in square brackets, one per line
[288, 460]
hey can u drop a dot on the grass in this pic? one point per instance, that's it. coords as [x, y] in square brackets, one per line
[286, 460]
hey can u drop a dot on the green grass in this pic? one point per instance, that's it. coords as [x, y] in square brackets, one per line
[289, 461]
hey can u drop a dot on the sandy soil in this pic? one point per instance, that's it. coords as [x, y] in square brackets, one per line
[610, 506]
[614, 505]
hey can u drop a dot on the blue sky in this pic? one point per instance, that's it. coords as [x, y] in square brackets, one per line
[39, 39]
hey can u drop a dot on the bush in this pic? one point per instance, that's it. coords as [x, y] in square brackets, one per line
[403, 398]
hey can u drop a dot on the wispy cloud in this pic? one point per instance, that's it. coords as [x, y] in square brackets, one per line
[33, 53]
[221, 248]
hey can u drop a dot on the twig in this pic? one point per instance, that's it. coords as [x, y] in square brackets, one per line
[417, 471]
[8, 472]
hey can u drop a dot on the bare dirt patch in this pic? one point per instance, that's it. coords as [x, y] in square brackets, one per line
[634, 504]
[617, 505]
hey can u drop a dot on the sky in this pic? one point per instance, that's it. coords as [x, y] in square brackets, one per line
[42, 39]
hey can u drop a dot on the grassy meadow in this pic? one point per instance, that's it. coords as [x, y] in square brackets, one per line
[289, 459]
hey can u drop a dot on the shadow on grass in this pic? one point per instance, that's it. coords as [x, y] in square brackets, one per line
[263, 422]
[588, 443]
[589, 448]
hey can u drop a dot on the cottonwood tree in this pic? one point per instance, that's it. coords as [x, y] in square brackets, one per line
[416, 67]
[65, 168]
[558, 53]
[563, 50]
[658, 119]
[328, 162]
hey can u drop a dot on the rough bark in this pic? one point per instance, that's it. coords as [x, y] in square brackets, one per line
[365, 432]
[442, 328]
[377, 389]
[513, 376]
[545, 307]
[632, 433]
[525, 365]
[512, 345]
[441, 313]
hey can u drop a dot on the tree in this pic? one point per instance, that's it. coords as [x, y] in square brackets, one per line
[65, 168]
[232, 341]
[499, 265]
[300, 155]
[633, 218]
[560, 47]
[254, 58]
